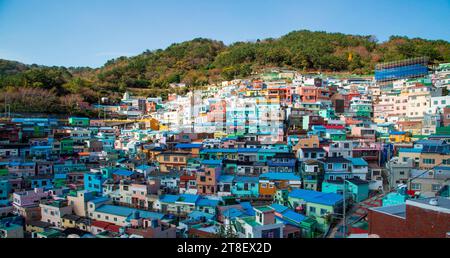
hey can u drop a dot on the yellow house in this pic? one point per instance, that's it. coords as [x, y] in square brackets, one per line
[400, 137]
[431, 160]
[169, 161]
[37, 226]
[84, 224]
[69, 220]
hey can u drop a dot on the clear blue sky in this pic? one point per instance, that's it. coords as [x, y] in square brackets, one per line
[90, 32]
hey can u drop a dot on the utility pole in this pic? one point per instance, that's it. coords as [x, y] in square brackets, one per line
[343, 212]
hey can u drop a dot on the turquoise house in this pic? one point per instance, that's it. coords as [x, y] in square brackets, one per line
[69, 167]
[395, 198]
[356, 189]
[264, 154]
[245, 186]
[327, 113]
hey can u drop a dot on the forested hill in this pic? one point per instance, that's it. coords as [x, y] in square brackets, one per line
[202, 61]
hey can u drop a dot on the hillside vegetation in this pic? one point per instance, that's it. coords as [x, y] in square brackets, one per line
[202, 61]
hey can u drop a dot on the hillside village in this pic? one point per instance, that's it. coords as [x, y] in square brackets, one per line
[285, 154]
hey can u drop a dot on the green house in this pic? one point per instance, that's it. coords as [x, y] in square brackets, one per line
[66, 146]
[336, 135]
[79, 121]
[3, 172]
[317, 205]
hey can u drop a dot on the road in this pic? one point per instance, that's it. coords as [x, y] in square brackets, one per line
[356, 213]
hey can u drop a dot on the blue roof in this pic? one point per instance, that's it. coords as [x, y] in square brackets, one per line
[431, 142]
[248, 208]
[250, 179]
[188, 198]
[123, 172]
[207, 202]
[143, 167]
[442, 168]
[18, 163]
[278, 207]
[169, 198]
[149, 214]
[248, 149]
[126, 212]
[412, 150]
[188, 145]
[232, 213]
[330, 199]
[211, 162]
[396, 133]
[293, 216]
[60, 176]
[358, 161]
[115, 210]
[196, 215]
[99, 199]
[279, 176]
[226, 178]
[41, 147]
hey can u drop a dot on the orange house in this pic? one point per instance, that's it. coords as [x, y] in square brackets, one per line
[207, 180]
[267, 188]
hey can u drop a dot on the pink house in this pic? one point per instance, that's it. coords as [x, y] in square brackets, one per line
[30, 198]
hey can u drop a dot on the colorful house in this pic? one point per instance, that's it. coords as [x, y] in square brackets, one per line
[336, 167]
[356, 189]
[318, 205]
[245, 186]
[79, 121]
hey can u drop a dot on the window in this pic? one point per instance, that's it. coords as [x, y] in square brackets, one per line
[330, 166]
[435, 187]
[312, 209]
[323, 211]
[344, 166]
[416, 186]
[428, 161]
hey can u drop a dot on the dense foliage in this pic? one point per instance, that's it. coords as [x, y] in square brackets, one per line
[202, 61]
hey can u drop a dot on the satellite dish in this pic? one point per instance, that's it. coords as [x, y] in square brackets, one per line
[433, 202]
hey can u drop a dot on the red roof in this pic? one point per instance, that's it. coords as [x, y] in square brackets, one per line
[113, 228]
[100, 224]
[339, 127]
[187, 178]
[106, 226]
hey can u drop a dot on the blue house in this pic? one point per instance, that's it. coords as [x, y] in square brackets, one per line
[311, 153]
[5, 188]
[207, 205]
[337, 168]
[94, 182]
[41, 182]
[282, 162]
